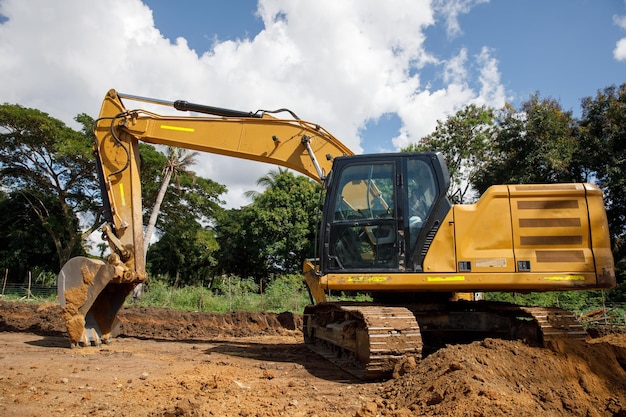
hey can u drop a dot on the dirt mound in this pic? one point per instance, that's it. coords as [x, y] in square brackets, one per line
[152, 323]
[507, 378]
[159, 323]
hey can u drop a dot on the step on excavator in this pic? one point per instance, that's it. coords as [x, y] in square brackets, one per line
[387, 229]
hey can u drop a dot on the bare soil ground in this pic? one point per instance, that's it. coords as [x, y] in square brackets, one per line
[172, 363]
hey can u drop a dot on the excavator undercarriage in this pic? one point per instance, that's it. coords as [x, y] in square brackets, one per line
[369, 340]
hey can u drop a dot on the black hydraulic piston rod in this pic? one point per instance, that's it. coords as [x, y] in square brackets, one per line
[183, 105]
[215, 111]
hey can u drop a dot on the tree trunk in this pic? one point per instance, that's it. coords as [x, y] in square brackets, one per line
[156, 209]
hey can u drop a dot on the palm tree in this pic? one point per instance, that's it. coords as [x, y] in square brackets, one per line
[178, 161]
[268, 181]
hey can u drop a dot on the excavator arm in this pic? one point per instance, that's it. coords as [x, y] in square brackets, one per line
[91, 291]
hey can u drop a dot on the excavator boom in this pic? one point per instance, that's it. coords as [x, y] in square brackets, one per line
[92, 292]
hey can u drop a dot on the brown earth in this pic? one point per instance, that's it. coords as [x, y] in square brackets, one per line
[172, 363]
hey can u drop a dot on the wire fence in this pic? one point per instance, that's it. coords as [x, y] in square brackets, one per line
[609, 314]
[24, 291]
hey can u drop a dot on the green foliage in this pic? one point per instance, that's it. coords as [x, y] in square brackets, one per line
[286, 293]
[603, 135]
[569, 300]
[229, 293]
[536, 144]
[24, 243]
[197, 195]
[200, 197]
[466, 142]
[186, 249]
[52, 168]
[156, 293]
[274, 234]
[579, 302]
[237, 293]
[358, 297]
[191, 298]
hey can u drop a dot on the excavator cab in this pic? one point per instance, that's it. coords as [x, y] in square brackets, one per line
[380, 211]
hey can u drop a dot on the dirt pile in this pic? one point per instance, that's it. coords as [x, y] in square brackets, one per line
[507, 378]
[152, 323]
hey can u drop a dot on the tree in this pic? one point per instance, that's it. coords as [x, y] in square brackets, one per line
[24, 243]
[53, 169]
[239, 249]
[534, 145]
[187, 207]
[178, 161]
[603, 136]
[185, 250]
[275, 233]
[197, 195]
[465, 140]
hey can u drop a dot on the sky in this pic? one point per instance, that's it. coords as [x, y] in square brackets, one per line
[376, 74]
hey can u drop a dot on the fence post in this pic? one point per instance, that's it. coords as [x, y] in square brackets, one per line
[174, 287]
[262, 296]
[30, 278]
[606, 319]
[4, 284]
[230, 300]
[295, 298]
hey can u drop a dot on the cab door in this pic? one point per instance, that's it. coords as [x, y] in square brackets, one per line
[360, 216]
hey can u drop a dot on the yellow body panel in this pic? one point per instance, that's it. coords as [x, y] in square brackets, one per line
[551, 227]
[458, 282]
[436, 260]
[482, 232]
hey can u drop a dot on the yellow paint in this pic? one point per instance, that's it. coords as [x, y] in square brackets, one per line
[367, 279]
[443, 279]
[122, 196]
[565, 278]
[178, 128]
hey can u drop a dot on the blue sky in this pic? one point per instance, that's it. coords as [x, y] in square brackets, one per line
[377, 74]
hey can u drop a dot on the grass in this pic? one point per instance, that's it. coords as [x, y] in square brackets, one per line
[229, 294]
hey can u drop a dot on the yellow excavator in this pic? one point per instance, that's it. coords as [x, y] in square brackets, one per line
[387, 229]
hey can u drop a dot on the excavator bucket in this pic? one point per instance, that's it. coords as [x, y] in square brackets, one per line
[91, 296]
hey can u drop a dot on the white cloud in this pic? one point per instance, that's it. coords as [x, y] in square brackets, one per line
[619, 53]
[492, 91]
[451, 9]
[455, 70]
[620, 50]
[338, 64]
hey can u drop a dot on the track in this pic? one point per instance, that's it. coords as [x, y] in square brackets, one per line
[556, 323]
[368, 340]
